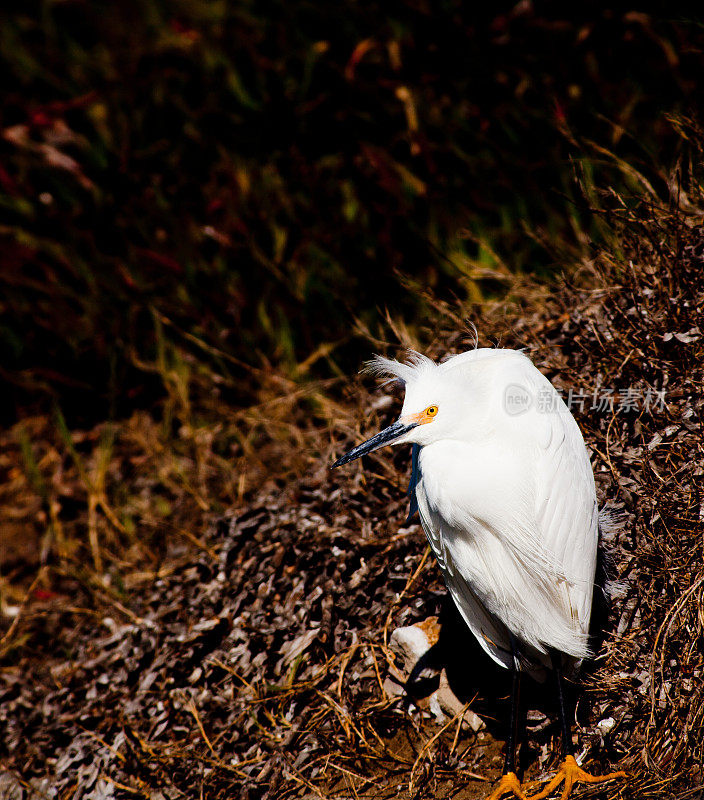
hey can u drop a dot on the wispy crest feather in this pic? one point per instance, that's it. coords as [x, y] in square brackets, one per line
[408, 371]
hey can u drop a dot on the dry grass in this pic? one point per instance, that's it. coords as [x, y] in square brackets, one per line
[202, 606]
[191, 605]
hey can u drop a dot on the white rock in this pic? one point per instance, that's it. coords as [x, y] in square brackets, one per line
[605, 725]
[414, 641]
[410, 644]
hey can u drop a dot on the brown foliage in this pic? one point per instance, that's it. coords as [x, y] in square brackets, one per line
[243, 654]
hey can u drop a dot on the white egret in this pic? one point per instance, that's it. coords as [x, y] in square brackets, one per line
[505, 493]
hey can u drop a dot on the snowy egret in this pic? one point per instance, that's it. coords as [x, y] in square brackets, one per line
[505, 492]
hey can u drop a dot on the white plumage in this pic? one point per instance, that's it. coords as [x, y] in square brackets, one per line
[505, 491]
[506, 498]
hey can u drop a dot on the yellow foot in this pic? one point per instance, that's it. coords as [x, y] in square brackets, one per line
[509, 784]
[571, 773]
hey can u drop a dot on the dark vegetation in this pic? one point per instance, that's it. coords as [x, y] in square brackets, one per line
[264, 176]
[210, 215]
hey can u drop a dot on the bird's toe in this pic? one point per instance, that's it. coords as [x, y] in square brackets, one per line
[570, 773]
[508, 785]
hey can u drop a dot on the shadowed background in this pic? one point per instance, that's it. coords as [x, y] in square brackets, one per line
[270, 176]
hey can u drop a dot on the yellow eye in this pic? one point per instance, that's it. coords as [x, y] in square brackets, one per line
[431, 411]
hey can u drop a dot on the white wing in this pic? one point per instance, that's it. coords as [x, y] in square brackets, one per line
[566, 507]
[487, 629]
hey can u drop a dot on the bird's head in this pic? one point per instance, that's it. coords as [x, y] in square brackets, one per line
[432, 405]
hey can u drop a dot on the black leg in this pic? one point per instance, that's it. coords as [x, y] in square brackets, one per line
[569, 773]
[510, 762]
[564, 718]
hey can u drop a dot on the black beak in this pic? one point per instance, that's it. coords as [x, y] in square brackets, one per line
[386, 436]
